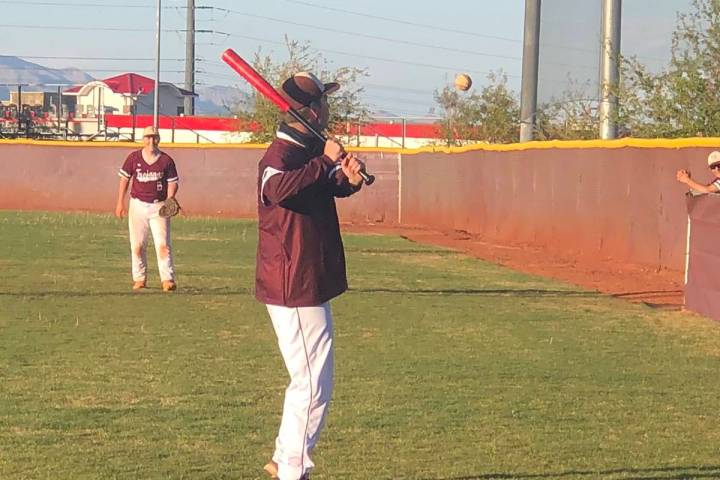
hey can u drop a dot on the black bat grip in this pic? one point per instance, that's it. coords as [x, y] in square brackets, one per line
[367, 178]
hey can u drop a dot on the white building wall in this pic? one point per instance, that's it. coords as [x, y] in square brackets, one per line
[170, 100]
[102, 97]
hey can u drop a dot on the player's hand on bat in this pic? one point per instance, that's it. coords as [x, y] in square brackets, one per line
[333, 150]
[683, 176]
[119, 210]
[351, 167]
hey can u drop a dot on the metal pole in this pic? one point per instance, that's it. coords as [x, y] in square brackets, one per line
[404, 131]
[58, 110]
[190, 58]
[134, 119]
[687, 250]
[19, 108]
[156, 103]
[531, 53]
[99, 107]
[609, 65]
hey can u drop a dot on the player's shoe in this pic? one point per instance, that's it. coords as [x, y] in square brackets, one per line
[271, 468]
[139, 285]
[168, 286]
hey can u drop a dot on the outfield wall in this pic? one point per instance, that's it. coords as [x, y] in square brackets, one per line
[702, 281]
[616, 199]
[213, 181]
[610, 199]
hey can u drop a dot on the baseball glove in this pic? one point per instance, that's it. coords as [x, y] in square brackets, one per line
[170, 209]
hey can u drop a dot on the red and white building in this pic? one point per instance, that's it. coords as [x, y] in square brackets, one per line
[126, 94]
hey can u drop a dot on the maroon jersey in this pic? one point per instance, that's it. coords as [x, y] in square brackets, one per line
[149, 181]
[300, 258]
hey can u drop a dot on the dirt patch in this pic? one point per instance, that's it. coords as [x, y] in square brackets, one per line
[658, 288]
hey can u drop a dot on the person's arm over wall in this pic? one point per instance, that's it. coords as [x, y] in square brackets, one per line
[683, 176]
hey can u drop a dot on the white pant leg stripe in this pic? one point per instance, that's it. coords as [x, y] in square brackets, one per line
[307, 419]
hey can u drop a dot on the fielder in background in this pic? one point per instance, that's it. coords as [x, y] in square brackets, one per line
[301, 264]
[683, 176]
[154, 179]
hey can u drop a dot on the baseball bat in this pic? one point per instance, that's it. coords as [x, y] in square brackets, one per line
[261, 85]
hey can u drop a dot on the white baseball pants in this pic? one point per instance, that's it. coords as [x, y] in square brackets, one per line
[143, 216]
[305, 338]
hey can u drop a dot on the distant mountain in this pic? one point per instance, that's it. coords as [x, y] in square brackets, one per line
[212, 100]
[75, 75]
[220, 100]
[15, 70]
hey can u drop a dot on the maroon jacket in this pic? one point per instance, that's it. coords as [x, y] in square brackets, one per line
[300, 257]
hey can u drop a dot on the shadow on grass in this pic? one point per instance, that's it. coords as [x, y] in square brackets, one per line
[182, 291]
[650, 298]
[660, 473]
[504, 292]
[189, 290]
[645, 297]
[403, 251]
[649, 294]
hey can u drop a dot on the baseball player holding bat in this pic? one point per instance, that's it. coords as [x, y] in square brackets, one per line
[154, 183]
[301, 263]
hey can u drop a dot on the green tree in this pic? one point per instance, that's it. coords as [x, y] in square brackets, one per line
[572, 116]
[345, 105]
[488, 116]
[681, 100]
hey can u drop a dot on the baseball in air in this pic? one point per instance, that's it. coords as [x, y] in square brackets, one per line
[463, 82]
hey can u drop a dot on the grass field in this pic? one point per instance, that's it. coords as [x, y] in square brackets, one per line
[447, 367]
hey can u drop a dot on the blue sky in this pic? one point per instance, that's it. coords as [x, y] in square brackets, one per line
[422, 45]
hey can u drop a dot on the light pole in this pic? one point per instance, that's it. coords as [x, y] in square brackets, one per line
[610, 75]
[531, 52]
[190, 58]
[156, 103]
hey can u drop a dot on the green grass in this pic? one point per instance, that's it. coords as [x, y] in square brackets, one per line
[447, 367]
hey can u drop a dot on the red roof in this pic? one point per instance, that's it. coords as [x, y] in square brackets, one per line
[129, 84]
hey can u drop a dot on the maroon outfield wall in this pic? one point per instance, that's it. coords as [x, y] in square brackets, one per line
[593, 201]
[214, 181]
[702, 288]
[619, 203]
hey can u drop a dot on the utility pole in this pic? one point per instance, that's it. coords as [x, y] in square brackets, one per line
[610, 58]
[156, 102]
[531, 53]
[190, 58]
